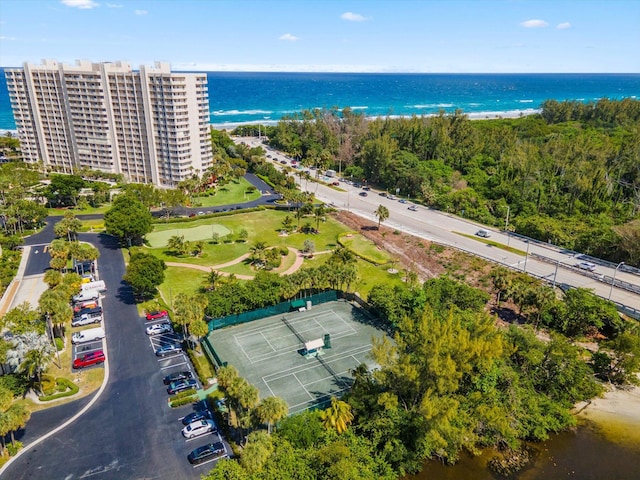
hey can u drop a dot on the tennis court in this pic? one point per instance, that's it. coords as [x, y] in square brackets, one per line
[270, 353]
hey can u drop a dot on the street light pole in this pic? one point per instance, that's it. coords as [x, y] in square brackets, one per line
[613, 280]
[524, 269]
[556, 274]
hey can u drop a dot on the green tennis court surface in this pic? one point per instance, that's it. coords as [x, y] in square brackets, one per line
[272, 357]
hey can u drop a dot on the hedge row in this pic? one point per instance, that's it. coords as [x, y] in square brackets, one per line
[203, 366]
[178, 402]
[208, 215]
[70, 389]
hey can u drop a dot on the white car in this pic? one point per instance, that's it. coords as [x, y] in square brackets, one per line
[159, 328]
[413, 208]
[586, 266]
[198, 428]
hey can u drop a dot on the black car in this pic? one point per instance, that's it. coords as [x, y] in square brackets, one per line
[88, 311]
[181, 385]
[196, 416]
[206, 452]
[174, 377]
[363, 194]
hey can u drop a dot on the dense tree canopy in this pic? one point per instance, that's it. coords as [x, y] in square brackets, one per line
[128, 219]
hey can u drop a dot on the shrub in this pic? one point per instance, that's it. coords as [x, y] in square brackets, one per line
[66, 388]
[179, 402]
[47, 385]
[184, 393]
[203, 367]
[59, 344]
[16, 383]
[14, 447]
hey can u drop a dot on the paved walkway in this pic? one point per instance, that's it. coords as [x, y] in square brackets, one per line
[293, 268]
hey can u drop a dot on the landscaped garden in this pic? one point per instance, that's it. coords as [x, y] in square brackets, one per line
[239, 191]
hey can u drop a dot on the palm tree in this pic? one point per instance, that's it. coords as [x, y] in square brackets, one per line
[258, 251]
[176, 243]
[272, 409]
[337, 416]
[212, 279]
[319, 212]
[382, 213]
[35, 362]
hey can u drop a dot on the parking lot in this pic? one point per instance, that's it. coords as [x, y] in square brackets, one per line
[178, 363]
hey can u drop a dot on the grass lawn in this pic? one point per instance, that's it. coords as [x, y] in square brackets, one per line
[493, 243]
[370, 275]
[365, 247]
[160, 238]
[95, 225]
[261, 226]
[232, 192]
[59, 212]
[181, 280]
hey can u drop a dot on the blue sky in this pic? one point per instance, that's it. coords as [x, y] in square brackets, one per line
[455, 36]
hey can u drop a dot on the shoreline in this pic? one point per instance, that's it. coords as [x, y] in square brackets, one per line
[616, 414]
[494, 115]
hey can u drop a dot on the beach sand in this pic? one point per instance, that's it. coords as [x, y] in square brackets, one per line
[616, 414]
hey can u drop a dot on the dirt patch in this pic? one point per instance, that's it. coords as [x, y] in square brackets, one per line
[430, 260]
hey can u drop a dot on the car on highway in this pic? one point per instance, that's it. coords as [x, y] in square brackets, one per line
[206, 452]
[402, 200]
[181, 385]
[157, 315]
[283, 162]
[366, 188]
[199, 427]
[483, 233]
[177, 376]
[336, 184]
[413, 208]
[159, 328]
[169, 349]
[195, 416]
[363, 194]
[88, 359]
[586, 266]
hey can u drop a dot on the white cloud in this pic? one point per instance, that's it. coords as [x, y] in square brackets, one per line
[353, 17]
[7, 38]
[141, 12]
[82, 4]
[534, 24]
[563, 26]
[288, 37]
[114, 5]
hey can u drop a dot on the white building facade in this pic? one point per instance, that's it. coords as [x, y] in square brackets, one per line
[150, 125]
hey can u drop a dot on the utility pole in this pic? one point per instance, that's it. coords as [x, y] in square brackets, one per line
[506, 226]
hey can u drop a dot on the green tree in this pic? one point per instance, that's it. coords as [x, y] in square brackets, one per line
[338, 416]
[176, 244]
[144, 273]
[212, 280]
[256, 452]
[22, 319]
[381, 213]
[67, 227]
[128, 219]
[271, 410]
[618, 360]
[36, 361]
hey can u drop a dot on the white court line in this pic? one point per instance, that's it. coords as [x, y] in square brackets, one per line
[286, 351]
[241, 348]
[266, 340]
[327, 359]
[302, 385]
[317, 399]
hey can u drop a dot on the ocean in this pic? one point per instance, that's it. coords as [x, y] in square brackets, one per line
[241, 97]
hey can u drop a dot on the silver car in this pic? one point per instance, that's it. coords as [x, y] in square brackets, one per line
[198, 428]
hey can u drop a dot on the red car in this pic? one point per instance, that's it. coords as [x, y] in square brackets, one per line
[157, 315]
[88, 359]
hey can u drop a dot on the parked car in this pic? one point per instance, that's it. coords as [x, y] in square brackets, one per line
[413, 208]
[586, 266]
[169, 349]
[88, 311]
[198, 428]
[157, 315]
[88, 359]
[210, 451]
[86, 295]
[181, 385]
[195, 416]
[84, 305]
[483, 233]
[88, 335]
[86, 320]
[174, 377]
[159, 328]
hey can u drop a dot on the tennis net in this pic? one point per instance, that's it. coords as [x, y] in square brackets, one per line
[295, 332]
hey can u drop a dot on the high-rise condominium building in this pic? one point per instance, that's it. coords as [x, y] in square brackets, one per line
[150, 125]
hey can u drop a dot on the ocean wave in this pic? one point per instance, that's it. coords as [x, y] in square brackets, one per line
[525, 101]
[433, 105]
[364, 107]
[221, 113]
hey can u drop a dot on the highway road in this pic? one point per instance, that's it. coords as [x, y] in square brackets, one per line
[543, 260]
